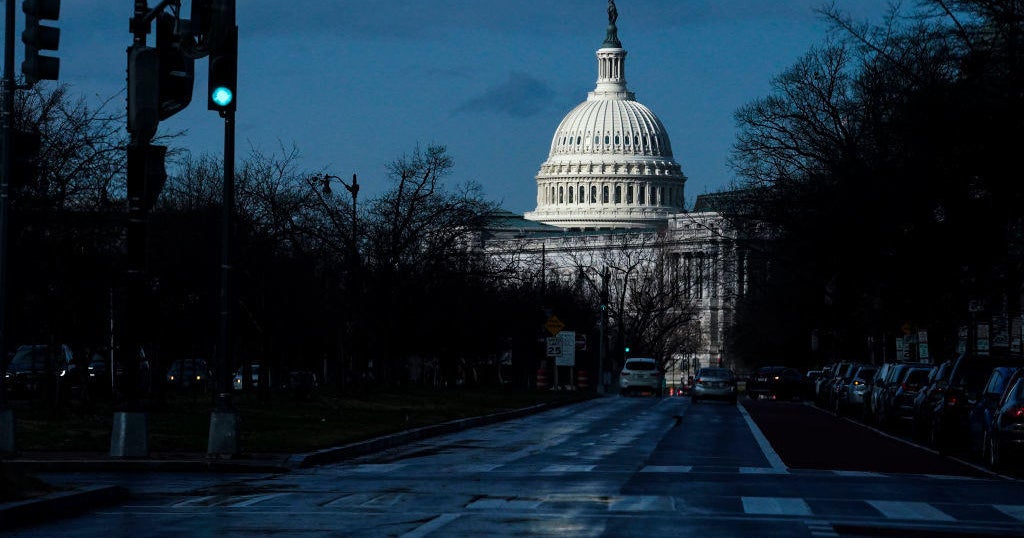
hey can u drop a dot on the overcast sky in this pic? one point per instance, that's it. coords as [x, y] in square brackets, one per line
[355, 85]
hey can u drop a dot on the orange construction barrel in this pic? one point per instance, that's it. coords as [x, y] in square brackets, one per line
[542, 379]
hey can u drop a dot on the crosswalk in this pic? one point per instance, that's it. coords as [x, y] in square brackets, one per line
[809, 509]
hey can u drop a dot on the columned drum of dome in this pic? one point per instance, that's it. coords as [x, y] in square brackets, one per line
[610, 163]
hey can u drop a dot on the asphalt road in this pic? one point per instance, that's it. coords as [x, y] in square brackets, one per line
[607, 467]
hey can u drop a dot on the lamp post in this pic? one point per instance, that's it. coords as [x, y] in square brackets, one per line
[353, 262]
[353, 189]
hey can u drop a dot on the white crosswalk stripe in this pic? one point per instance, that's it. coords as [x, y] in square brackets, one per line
[1014, 511]
[776, 506]
[910, 510]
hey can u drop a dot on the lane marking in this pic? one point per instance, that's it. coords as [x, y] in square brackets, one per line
[666, 469]
[1014, 511]
[776, 506]
[769, 453]
[431, 526]
[568, 469]
[910, 510]
[762, 470]
[864, 474]
[256, 500]
[641, 503]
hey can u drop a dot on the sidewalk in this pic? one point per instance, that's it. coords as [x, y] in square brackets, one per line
[43, 508]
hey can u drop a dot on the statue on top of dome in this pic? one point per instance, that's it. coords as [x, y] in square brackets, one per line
[611, 39]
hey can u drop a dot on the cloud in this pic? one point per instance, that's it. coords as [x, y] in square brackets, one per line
[521, 96]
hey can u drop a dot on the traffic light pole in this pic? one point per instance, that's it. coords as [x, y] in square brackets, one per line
[7, 444]
[223, 439]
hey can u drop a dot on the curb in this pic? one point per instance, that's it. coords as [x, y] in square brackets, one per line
[62, 504]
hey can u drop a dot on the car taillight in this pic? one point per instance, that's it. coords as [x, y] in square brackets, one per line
[1018, 413]
[951, 400]
[698, 381]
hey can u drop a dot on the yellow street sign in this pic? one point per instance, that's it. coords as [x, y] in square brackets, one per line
[554, 325]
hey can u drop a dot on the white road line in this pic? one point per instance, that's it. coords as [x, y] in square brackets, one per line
[910, 510]
[200, 501]
[666, 469]
[568, 469]
[762, 470]
[641, 503]
[776, 506]
[256, 500]
[431, 526]
[773, 459]
[1014, 511]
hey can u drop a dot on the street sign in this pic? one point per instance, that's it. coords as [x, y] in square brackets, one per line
[553, 346]
[554, 325]
[567, 343]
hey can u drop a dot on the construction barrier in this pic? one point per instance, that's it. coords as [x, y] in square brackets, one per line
[542, 379]
[581, 379]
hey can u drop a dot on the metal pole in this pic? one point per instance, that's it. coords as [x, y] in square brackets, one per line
[6, 418]
[223, 439]
[602, 349]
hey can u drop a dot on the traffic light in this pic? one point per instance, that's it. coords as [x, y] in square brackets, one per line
[38, 37]
[143, 92]
[177, 69]
[222, 94]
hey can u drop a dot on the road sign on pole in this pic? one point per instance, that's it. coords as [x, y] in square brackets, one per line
[567, 357]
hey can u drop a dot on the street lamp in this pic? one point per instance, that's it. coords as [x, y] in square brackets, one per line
[353, 189]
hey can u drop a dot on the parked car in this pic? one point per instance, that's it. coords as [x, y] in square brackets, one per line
[853, 394]
[827, 393]
[776, 383]
[189, 373]
[810, 380]
[901, 388]
[878, 384]
[1005, 445]
[640, 374]
[41, 370]
[979, 421]
[928, 397]
[822, 382]
[950, 429]
[714, 383]
[254, 377]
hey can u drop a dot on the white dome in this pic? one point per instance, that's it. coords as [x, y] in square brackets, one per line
[610, 127]
[610, 164]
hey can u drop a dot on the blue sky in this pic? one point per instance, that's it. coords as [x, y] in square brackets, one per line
[354, 85]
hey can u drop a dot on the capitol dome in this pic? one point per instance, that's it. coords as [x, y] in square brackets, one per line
[610, 163]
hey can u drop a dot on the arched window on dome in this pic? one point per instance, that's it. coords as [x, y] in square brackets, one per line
[636, 140]
[579, 140]
[561, 195]
[606, 140]
[570, 195]
[640, 194]
[597, 140]
[661, 196]
[626, 140]
[593, 194]
[618, 194]
[629, 194]
[604, 194]
[583, 195]
[616, 140]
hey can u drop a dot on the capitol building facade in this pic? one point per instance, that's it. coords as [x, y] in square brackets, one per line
[611, 198]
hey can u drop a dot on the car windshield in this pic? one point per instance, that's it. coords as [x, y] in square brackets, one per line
[28, 358]
[639, 365]
[716, 372]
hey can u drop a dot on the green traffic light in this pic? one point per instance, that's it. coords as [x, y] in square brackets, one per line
[222, 96]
